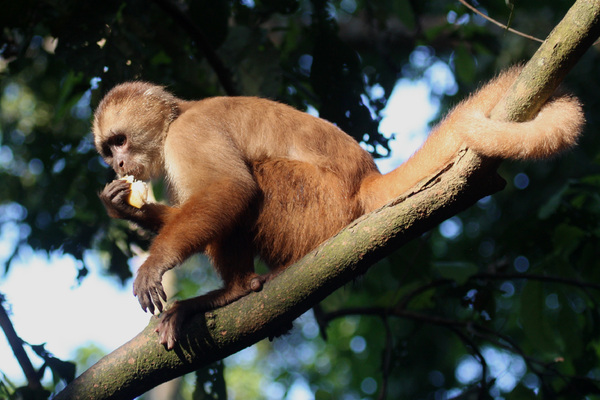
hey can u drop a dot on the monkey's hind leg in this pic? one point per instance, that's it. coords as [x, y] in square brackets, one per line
[233, 259]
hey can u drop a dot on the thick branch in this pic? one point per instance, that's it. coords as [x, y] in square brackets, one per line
[565, 45]
[142, 363]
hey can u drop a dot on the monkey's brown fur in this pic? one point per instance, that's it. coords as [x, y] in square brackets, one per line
[251, 176]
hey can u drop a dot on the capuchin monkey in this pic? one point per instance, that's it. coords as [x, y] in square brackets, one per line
[249, 176]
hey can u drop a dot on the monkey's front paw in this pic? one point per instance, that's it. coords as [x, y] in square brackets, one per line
[149, 290]
[169, 328]
[115, 197]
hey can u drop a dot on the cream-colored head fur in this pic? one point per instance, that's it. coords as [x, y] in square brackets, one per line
[143, 112]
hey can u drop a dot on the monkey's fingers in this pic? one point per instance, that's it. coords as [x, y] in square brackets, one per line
[168, 333]
[144, 297]
[150, 307]
[114, 194]
[169, 328]
[114, 188]
[148, 288]
[122, 196]
[162, 293]
[167, 338]
[157, 293]
[146, 302]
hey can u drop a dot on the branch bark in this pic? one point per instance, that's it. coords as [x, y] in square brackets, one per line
[142, 363]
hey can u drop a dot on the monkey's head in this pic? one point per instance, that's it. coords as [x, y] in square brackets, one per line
[130, 126]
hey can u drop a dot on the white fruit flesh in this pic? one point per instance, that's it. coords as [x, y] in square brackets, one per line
[139, 192]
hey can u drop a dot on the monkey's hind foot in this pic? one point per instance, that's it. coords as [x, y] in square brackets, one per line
[171, 322]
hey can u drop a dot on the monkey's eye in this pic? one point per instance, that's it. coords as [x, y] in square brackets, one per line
[117, 140]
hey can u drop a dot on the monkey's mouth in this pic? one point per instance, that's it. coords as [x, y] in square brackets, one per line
[136, 173]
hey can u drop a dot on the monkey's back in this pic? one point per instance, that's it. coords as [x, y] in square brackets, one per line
[307, 170]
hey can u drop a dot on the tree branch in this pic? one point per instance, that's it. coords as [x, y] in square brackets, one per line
[563, 48]
[142, 363]
[16, 344]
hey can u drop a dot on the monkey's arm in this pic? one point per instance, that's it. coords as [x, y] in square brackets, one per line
[201, 221]
[150, 216]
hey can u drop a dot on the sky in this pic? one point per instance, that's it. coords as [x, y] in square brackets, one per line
[106, 312]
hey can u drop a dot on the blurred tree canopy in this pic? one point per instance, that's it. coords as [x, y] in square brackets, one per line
[500, 302]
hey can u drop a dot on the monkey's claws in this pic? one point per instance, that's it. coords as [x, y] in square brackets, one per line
[169, 328]
[149, 290]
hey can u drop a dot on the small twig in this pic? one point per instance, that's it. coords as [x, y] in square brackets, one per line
[383, 312]
[501, 25]
[535, 277]
[16, 344]
[403, 303]
[467, 341]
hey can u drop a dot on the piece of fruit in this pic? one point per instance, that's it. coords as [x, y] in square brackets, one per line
[139, 192]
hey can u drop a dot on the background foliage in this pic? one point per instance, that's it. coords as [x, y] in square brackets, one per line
[501, 301]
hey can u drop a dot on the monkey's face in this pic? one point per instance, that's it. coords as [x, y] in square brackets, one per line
[130, 126]
[119, 151]
[130, 149]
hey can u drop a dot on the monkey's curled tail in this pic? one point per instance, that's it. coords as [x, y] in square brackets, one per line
[555, 128]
